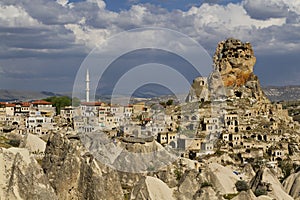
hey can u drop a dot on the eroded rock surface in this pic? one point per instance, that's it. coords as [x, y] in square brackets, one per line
[232, 75]
[292, 185]
[22, 177]
[266, 180]
[75, 174]
[150, 188]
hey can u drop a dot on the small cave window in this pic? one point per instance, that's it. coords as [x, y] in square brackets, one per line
[238, 93]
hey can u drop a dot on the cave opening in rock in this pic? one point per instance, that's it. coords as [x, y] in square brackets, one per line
[238, 94]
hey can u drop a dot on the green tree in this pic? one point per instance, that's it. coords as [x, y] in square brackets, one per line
[241, 185]
[59, 102]
[169, 102]
[75, 102]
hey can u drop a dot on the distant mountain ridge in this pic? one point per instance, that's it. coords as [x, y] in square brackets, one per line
[274, 93]
[15, 95]
[282, 93]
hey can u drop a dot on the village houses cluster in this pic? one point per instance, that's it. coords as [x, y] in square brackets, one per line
[250, 130]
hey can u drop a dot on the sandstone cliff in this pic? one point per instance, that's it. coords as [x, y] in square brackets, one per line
[75, 174]
[22, 177]
[232, 76]
[292, 185]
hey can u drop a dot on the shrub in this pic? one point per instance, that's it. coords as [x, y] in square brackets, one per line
[229, 196]
[178, 173]
[241, 186]
[260, 191]
[14, 143]
[205, 184]
[169, 102]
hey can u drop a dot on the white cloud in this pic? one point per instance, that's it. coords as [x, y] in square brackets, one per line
[265, 9]
[14, 16]
[44, 29]
[62, 2]
[208, 24]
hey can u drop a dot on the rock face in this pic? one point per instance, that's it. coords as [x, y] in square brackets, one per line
[75, 174]
[150, 188]
[189, 185]
[234, 60]
[22, 177]
[33, 143]
[266, 180]
[199, 90]
[222, 178]
[292, 185]
[232, 74]
[249, 195]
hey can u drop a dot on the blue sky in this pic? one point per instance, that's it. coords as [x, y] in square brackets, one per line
[43, 43]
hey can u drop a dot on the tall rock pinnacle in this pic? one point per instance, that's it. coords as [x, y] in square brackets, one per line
[232, 75]
[234, 60]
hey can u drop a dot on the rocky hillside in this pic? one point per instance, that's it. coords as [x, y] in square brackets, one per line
[283, 93]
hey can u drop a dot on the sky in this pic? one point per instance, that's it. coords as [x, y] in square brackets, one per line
[44, 42]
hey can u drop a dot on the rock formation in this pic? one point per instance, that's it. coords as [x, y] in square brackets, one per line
[33, 143]
[75, 174]
[292, 185]
[232, 74]
[221, 178]
[199, 90]
[152, 188]
[249, 195]
[189, 185]
[265, 180]
[22, 177]
[234, 60]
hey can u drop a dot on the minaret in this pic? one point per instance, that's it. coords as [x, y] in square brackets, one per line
[87, 89]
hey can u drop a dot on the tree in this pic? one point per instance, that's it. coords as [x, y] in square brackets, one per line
[241, 185]
[59, 102]
[170, 102]
[75, 102]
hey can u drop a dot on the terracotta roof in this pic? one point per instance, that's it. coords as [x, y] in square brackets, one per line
[10, 105]
[41, 102]
[91, 103]
[25, 104]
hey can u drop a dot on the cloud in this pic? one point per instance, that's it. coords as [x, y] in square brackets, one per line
[50, 30]
[13, 16]
[266, 9]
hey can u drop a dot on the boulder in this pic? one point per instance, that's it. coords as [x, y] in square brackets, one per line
[150, 188]
[245, 195]
[207, 193]
[33, 143]
[222, 178]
